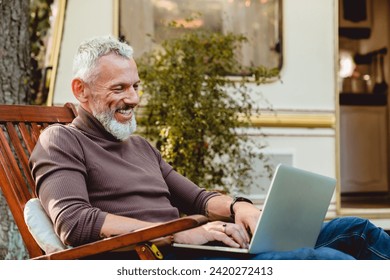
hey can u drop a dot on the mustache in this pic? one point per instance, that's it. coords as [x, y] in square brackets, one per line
[125, 107]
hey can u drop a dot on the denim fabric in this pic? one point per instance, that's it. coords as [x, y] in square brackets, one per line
[357, 237]
[345, 238]
[323, 253]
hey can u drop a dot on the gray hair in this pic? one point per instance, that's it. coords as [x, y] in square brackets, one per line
[92, 49]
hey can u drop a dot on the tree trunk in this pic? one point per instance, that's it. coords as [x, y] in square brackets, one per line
[14, 51]
[14, 77]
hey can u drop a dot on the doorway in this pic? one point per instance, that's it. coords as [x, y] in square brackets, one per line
[364, 37]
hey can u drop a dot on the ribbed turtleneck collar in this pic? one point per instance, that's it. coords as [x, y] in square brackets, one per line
[86, 122]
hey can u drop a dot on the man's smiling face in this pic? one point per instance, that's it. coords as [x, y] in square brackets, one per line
[112, 94]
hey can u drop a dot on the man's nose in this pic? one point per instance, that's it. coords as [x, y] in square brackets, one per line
[132, 95]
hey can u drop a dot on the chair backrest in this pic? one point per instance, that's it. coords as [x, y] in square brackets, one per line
[20, 127]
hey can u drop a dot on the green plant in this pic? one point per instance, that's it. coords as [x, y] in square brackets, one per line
[193, 110]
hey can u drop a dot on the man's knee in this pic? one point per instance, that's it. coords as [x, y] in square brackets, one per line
[347, 224]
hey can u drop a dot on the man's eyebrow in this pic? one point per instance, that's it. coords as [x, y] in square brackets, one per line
[124, 83]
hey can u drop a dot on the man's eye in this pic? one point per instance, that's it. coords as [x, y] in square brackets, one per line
[118, 89]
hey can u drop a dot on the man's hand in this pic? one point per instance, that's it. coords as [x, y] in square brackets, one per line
[246, 215]
[233, 235]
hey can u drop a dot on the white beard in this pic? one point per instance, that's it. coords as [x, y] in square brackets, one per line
[121, 131]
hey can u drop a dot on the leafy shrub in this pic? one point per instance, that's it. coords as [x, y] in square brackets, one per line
[196, 97]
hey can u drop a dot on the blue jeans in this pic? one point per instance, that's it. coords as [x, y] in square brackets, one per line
[345, 238]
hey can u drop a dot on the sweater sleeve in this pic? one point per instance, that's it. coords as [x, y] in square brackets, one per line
[185, 195]
[59, 171]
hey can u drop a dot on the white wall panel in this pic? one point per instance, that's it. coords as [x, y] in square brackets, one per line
[83, 19]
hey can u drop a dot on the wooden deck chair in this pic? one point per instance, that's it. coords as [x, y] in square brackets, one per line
[20, 128]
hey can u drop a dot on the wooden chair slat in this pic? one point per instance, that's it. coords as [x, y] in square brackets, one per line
[35, 131]
[7, 174]
[28, 113]
[30, 144]
[23, 159]
[14, 173]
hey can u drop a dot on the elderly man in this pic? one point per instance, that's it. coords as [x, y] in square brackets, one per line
[96, 179]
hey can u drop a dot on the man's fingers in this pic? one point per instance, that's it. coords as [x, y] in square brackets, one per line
[236, 233]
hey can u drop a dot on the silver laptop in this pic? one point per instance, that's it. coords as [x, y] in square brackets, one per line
[293, 213]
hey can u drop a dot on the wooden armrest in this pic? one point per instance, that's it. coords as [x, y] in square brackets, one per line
[127, 239]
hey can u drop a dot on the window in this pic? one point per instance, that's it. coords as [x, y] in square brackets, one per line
[146, 23]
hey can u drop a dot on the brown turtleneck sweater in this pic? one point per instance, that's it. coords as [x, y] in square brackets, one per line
[82, 173]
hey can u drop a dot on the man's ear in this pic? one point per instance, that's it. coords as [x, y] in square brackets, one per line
[78, 88]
